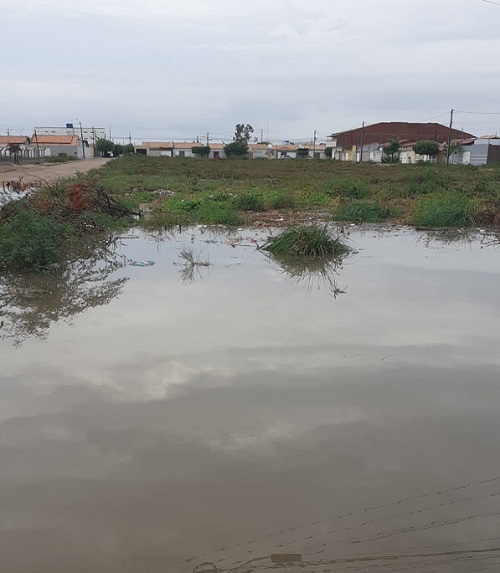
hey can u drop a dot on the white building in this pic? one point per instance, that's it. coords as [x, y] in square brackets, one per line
[90, 134]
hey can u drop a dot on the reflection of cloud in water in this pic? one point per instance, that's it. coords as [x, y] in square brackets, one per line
[32, 302]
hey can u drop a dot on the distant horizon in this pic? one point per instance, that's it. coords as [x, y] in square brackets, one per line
[201, 139]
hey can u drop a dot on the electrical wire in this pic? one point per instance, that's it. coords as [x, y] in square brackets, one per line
[478, 112]
[491, 2]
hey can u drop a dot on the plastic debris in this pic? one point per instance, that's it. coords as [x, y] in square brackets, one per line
[142, 263]
[164, 192]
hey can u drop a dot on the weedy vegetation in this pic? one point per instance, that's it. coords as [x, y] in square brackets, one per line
[306, 241]
[308, 253]
[180, 191]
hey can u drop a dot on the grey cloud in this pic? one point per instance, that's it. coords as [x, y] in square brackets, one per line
[195, 66]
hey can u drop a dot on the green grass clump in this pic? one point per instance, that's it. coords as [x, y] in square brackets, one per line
[59, 159]
[29, 240]
[445, 210]
[348, 188]
[282, 201]
[307, 241]
[425, 180]
[249, 202]
[216, 214]
[363, 213]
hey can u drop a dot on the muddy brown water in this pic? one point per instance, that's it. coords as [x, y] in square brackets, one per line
[158, 420]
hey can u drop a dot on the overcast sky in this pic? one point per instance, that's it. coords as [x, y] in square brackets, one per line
[167, 69]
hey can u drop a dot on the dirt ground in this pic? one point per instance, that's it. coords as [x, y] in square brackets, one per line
[47, 172]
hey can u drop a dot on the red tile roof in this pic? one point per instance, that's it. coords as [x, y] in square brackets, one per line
[55, 140]
[14, 139]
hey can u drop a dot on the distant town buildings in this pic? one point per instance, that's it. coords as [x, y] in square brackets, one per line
[368, 143]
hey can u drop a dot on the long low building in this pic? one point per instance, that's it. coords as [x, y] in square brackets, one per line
[366, 143]
[255, 150]
[40, 147]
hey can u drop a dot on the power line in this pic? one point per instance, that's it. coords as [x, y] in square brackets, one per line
[479, 112]
[491, 2]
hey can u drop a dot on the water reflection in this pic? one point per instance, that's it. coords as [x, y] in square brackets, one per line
[235, 420]
[32, 302]
[318, 272]
[192, 265]
[462, 237]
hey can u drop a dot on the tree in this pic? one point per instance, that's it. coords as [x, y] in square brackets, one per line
[236, 149]
[239, 147]
[426, 147]
[128, 149]
[303, 152]
[117, 149]
[105, 147]
[390, 151]
[203, 150]
[242, 133]
[14, 150]
[329, 152]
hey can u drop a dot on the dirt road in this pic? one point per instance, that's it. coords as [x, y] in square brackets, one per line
[47, 172]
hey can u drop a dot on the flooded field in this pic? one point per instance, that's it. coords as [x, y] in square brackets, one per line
[218, 411]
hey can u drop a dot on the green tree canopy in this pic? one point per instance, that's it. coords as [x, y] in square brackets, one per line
[202, 150]
[128, 149]
[242, 133]
[105, 146]
[426, 147]
[391, 150]
[236, 149]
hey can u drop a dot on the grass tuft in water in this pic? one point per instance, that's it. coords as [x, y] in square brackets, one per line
[307, 241]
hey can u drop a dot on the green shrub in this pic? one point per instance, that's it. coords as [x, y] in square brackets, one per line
[31, 240]
[444, 210]
[63, 158]
[363, 213]
[306, 241]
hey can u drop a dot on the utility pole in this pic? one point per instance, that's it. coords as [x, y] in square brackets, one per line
[261, 135]
[129, 138]
[208, 139]
[314, 144]
[83, 144]
[362, 142]
[93, 142]
[449, 139]
[37, 148]
[110, 134]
